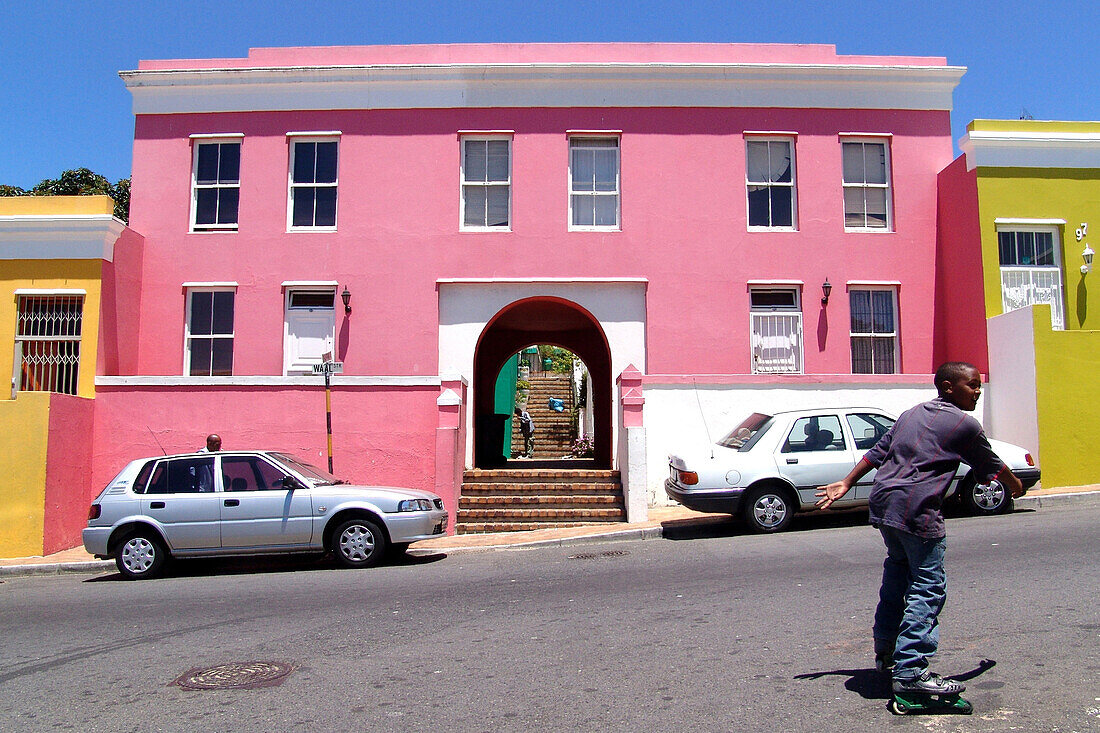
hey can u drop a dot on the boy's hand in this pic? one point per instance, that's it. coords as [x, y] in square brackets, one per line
[830, 493]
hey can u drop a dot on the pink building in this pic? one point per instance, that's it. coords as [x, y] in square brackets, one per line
[675, 214]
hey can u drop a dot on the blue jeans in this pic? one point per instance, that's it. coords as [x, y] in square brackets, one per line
[914, 588]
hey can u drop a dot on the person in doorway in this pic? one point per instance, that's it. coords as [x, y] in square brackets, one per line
[527, 429]
[213, 444]
[916, 461]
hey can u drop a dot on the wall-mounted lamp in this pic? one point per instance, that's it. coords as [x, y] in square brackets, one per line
[346, 297]
[1087, 257]
[826, 289]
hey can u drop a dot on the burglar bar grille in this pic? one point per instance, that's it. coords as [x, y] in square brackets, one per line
[47, 343]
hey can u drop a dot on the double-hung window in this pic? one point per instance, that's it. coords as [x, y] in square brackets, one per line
[776, 330]
[486, 183]
[208, 340]
[594, 183]
[47, 343]
[313, 183]
[769, 180]
[866, 185]
[215, 184]
[1030, 269]
[874, 330]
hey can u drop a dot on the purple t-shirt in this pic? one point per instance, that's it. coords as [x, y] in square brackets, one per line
[916, 461]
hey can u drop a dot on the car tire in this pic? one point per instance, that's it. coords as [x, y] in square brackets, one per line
[358, 543]
[767, 509]
[985, 499]
[140, 555]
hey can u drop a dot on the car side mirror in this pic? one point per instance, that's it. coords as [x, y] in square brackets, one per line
[292, 483]
[868, 433]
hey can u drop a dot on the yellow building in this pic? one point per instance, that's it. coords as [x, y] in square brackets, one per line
[52, 256]
[1037, 210]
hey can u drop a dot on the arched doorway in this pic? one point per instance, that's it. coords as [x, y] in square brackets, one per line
[540, 320]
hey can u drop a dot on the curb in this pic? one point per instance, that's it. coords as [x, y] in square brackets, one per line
[56, 568]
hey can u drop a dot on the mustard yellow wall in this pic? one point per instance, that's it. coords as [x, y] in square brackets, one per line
[51, 274]
[24, 423]
[1045, 193]
[1067, 402]
[56, 205]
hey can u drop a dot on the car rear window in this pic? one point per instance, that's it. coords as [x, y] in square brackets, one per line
[142, 479]
[745, 435]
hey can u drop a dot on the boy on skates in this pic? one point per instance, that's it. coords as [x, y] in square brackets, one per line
[916, 461]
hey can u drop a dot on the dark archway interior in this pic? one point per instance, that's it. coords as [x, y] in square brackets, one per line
[540, 321]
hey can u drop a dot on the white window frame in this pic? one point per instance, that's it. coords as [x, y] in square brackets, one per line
[793, 184]
[293, 139]
[761, 315]
[464, 184]
[894, 335]
[49, 367]
[1019, 273]
[887, 187]
[573, 137]
[191, 289]
[197, 142]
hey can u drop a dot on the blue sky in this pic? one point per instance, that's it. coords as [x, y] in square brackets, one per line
[65, 107]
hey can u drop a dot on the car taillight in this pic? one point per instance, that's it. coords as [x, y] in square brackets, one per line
[689, 478]
[93, 512]
[1030, 461]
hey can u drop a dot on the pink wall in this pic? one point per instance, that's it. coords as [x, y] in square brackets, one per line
[69, 484]
[118, 322]
[683, 214]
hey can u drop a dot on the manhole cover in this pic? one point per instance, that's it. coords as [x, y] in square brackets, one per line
[595, 555]
[235, 676]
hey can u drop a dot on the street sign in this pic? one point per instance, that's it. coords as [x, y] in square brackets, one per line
[329, 367]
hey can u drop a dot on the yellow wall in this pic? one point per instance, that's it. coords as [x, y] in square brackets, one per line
[56, 205]
[1067, 402]
[24, 423]
[51, 274]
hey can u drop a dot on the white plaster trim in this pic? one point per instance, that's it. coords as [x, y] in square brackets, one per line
[879, 283]
[59, 236]
[520, 85]
[776, 133]
[605, 133]
[1019, 149]
[50, 291]
[319, 133]
[865, 134]
[775, 282]
[1029, 222]
[309, 284]
[214, 135]
[449, 398]
[511, 280]
[264, 381]
[226, 284]
[486, 132]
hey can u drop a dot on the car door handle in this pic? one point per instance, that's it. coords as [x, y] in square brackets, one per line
[156, 505]
[232, 502]
[792, 460]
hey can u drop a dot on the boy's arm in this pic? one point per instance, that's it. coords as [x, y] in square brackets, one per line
[838, 489]
[1011, 482]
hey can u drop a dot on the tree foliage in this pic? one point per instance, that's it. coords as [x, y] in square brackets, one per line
[80, 182]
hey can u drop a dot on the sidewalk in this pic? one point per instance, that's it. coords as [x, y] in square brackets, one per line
[660, 519]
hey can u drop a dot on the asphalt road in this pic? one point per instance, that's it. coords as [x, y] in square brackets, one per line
[712, 630]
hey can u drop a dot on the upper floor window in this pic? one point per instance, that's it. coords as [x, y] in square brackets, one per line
[866, 185]
[1031, 272]
[486, 183]
[874, 330]
[313, 184]
[47, 343]
[594, 183]
[208, 341]
[776, 330]
[215, 185]
[769, 179]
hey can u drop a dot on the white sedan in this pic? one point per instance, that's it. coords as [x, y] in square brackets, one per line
[769, 467]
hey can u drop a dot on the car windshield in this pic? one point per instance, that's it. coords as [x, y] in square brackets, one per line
[743, 433]
[314, 475]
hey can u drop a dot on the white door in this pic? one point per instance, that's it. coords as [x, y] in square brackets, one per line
[310, 329]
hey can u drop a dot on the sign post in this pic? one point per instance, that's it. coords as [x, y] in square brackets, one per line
[328, 367]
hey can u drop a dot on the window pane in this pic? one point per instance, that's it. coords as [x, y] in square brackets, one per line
[227, 205]
[497, 214]
[860, 303]
[583, 170]
[768, 299]
[853, 163]
[473, 163]
[312, 299]
[1044, 249]
[1025, 247]
[757, 162]
[874, 162]
[221, 360]
[606, 213]
[304, 162]
[191, 476]
[202, 304]
[882, 352]
[594, 142]
[474, 206]
[326, 207]
[326, 162]
[883, 311]
[223, 312]
[303, 207]
[876, 207]
[780, 161]
[782, 209]
[497, 163]
[229, 168]
[853, 208]
[862, 362]
[759, 206]
[1006, 244]
[583, 213]
[200, 357]
[206, 206]
[606, 170]
[207, 169]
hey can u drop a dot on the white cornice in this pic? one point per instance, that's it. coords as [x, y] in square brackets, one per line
[265, 381]
[835, 86]
[1008, 149]
[59, 237]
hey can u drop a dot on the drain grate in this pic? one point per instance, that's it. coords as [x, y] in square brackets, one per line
[597, 555]
[235, 676]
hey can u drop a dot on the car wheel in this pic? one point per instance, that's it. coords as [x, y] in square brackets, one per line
[141, 555]
[767, 509]
[985, 499]
[358, 543]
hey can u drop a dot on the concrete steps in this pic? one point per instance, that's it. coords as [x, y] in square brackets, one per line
[520, 499]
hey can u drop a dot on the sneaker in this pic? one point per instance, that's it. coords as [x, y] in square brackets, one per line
[884, 663]
[929, 684]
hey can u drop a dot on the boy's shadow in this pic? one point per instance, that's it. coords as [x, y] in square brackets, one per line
[873, 685]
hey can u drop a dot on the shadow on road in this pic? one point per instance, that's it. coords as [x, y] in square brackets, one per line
[711, 527]
[873, 685]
